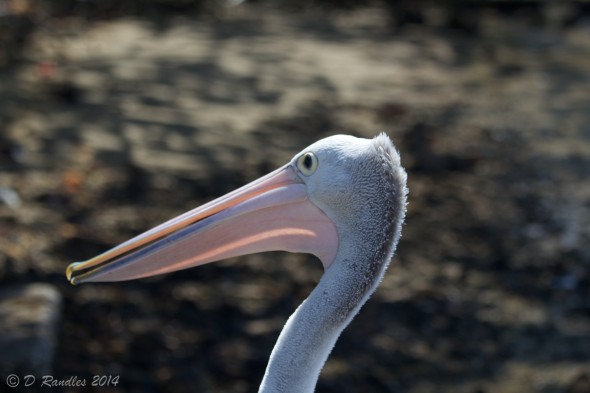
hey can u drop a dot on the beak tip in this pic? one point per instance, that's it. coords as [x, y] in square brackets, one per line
[70, 272]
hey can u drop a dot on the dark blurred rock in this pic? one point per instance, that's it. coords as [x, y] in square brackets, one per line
[17, 22]
[67, 93]
[11, 154]
[580, 385]
[29, 316]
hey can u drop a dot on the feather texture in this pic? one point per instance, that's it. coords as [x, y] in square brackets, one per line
[361, 185]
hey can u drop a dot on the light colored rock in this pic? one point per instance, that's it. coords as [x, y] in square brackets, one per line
[29, 316]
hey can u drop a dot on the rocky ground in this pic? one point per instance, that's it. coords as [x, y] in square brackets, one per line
[109, 128]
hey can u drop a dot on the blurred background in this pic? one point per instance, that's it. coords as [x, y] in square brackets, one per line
[117, 115]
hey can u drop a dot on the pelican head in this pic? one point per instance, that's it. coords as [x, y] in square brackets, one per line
[337, 192]
[341, 199]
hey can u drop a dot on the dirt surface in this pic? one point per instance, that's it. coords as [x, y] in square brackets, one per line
[107, 129]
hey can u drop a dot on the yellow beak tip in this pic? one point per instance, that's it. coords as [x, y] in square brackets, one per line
[70, 272]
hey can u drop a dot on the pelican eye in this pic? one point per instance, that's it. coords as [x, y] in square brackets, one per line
[307, 163]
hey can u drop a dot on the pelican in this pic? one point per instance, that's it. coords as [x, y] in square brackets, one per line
[342, 199]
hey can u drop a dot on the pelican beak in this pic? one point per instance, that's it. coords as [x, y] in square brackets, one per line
[270, 214]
